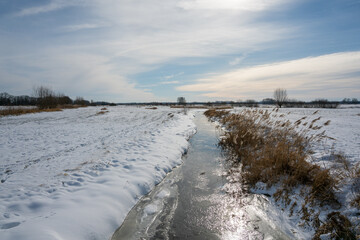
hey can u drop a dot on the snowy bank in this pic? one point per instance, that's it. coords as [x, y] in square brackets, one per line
[297, 214]
[75, 174]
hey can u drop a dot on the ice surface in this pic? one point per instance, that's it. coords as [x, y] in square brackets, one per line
[75, 174]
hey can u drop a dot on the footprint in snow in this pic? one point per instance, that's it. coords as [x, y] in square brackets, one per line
[9, 225]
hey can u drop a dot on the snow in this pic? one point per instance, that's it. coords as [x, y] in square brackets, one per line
[76, 174]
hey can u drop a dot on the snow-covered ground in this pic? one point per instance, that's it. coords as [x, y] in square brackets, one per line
[75, 174]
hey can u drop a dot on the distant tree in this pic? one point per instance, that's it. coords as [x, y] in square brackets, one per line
[64, 100]
[324, 103]
[45, 97]
[181, 101]
[251, 103]
[354, 100]
[346, 100]
[81, 101]
[280, 96]
[5, 99]
[268, 101]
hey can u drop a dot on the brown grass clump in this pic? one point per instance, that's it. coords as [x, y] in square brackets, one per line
[213, 113]
[103, 109]
[101, 112]
[338, 226]
[71, 106]
[273, 150]
[151, 108]
[20, 111]
[277, 152]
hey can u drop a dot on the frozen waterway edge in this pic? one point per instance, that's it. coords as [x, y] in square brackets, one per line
[75, 174]
[192, 203]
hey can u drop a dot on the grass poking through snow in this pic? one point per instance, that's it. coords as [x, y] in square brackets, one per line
[273, 151]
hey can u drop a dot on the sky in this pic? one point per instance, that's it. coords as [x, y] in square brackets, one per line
[203, 50]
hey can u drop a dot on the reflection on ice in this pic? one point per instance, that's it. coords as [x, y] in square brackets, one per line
[198, 201]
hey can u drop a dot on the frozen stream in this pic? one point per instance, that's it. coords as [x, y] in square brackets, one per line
[191, 203]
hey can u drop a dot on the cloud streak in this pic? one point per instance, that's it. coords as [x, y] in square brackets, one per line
[332, 76]
[50, 7]
[79, 27]
[243, 5]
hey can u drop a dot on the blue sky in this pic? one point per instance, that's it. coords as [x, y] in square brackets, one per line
[205, 50]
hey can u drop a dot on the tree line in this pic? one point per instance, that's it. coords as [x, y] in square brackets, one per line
[42, 97]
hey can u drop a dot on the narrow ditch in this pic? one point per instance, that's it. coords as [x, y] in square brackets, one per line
[192, 201]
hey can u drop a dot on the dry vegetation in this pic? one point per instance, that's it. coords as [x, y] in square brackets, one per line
[22, 110]
[275, 151]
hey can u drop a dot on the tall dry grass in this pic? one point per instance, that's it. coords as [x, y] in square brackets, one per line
[274, 151]
[20, 111]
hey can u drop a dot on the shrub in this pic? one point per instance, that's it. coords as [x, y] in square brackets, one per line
[338, 226]
[273, 151]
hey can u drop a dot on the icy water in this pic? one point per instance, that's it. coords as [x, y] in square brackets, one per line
[192, 201]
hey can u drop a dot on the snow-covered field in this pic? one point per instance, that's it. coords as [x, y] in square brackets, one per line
[75, 174]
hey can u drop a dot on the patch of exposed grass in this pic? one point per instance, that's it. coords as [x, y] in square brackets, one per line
[338, 226]
[101, 112]
[213, 113]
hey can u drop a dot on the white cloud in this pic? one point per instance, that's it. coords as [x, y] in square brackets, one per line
[331, 76]
[173, 75]
[53, 5]
[87, 75]
[156, 32]
[78, 27]
[236, 61]
[244, 5]
[170, 82]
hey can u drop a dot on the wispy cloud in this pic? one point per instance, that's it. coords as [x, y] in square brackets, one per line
[173, 75]
[78, 27]
[236, 61]
[146, 36]
[137, 38]
[170, 82]
[53, 5]
[332, 76]
[76, 73]
[245, 5]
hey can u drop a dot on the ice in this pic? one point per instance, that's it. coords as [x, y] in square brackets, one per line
[75, 175]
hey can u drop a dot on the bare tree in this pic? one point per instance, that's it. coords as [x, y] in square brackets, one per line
[280, 96]
[181, 101]
[45, 97]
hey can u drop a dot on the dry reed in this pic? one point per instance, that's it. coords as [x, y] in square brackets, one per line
[277, 152]
[20, 111]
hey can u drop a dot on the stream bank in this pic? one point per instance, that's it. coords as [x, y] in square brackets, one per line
[192, 201]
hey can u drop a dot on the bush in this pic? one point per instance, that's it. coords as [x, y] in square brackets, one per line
[272, 151]
[45, 97]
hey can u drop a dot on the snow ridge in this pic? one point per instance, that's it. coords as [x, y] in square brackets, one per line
[75, 175]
